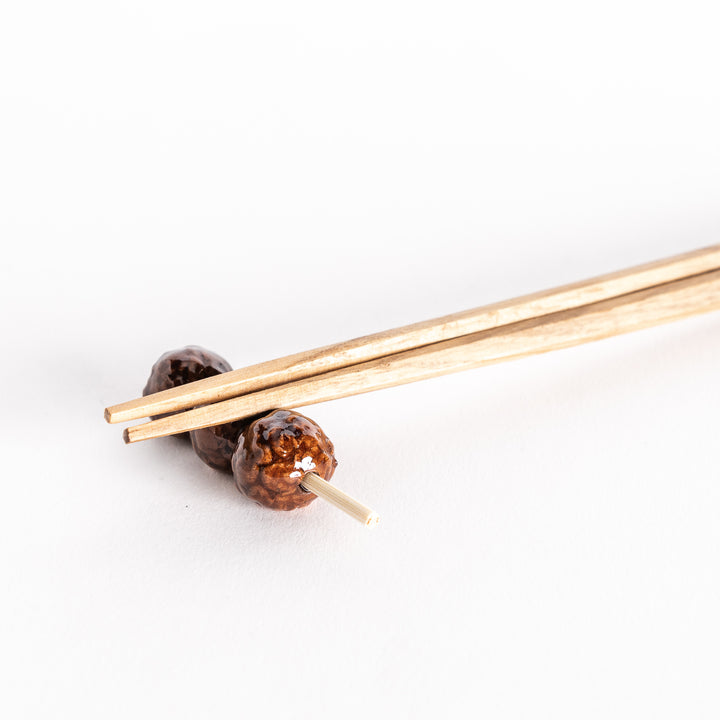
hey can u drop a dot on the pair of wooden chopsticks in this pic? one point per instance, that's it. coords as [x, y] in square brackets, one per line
[608, 305]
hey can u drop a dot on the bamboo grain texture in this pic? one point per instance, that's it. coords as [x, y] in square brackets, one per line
[315, 484]
[563, 329]
[400, 340]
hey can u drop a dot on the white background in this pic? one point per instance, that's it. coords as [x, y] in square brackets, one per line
[262, 178]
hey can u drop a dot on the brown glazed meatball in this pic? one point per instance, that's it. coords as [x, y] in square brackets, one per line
[186, 365]
[273, 454]
[182, 366]
[215, 445]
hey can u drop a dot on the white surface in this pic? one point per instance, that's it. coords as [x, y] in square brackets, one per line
[261, 178]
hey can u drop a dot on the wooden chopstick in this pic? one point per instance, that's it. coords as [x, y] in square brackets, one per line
[566, 328]
[333, 357]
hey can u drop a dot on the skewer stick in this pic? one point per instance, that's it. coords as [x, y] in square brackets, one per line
[322, 488]
[564, 329]
[333, 357]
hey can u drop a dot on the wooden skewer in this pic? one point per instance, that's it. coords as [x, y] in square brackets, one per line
[333, 357]
[322, 488]
[643, 309]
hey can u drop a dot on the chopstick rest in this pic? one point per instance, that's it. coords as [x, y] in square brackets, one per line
[282, 460]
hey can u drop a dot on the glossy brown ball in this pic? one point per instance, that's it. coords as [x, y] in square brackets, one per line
[273, 454]
[215, 445]
[182, 366]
